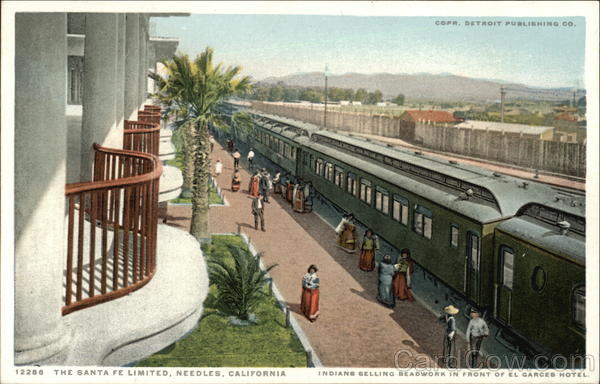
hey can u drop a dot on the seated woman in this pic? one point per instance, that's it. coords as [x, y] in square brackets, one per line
[309, 302]
[298, 198]
[401, 282]
[253, 185]
[385, 292]
[370, 244]
[236, 181]
[346, 231]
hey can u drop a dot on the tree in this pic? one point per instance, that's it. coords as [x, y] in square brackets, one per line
[197, 86]
[361, 95]
[374, 97]
[240, 287]
[399, 100]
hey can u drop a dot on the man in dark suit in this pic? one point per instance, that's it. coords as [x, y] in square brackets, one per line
[258, 212]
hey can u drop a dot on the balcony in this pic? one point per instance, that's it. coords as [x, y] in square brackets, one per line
[115, 247]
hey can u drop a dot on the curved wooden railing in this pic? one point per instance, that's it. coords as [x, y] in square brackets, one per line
[112, 226]
[152, 108]
[141, 136]
[149, 117]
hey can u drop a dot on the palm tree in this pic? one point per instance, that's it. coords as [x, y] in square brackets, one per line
[240, 286]
[194, 88]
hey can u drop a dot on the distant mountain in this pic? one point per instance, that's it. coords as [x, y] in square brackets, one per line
[442, 87]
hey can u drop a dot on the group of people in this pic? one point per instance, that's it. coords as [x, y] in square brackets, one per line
[477, 331]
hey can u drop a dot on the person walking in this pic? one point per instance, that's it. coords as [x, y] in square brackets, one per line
[402, 289]
[212, 142]
[450, 336]
[250, 158]
[385, 293]
[236, 181]
[236, 159]
[218, 168]
[253, 185]
[258, 212]
[477, 330]
[264, 184]
[369, 246]
[309, 302]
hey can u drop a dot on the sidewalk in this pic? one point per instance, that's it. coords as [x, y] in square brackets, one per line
[354, 330]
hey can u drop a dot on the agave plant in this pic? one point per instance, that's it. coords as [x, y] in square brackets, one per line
[240, 286]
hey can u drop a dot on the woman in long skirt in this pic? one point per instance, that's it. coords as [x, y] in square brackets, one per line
[370, 244]
[347, 238]
[298, 198]
[385, 293]
[253, 186]
[401, 283]
[236, 181]
[309, 302]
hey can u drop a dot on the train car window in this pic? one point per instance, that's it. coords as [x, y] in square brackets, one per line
[319, 167]
[338, 177]
[578, 306]
[328, 171]
[538, 278]
[508, 259]
[293, 153]
[423, 221]
[365, 191]
[351, 187]
[382, 200]
[454, 230]
[400, 209]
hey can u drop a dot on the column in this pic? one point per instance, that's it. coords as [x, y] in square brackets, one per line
[151, 65]
[132, 55]
[100, 83]
[120, 87]
[40, 174]
[143, 76]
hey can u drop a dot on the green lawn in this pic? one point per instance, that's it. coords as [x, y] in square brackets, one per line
[216, 343]
[213, 197]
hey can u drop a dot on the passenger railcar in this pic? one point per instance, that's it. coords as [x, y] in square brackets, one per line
[494, 239]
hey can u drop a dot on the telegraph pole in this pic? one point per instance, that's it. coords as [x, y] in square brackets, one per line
[502, 94]
[325, 110]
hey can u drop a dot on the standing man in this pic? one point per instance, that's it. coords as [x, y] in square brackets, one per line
[218, 168]
[264, 184]
[250, 158]
[258, 212]
[450, 336]
[211, 140]
[236, 159]
[477, 330]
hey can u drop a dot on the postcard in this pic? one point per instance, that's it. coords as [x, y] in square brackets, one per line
[290, 192]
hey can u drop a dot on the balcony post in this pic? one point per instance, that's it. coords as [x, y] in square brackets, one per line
[40, 176]
[132, 57]
[99, 123]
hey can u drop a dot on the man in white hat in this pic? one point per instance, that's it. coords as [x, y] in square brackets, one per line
[450, 336]
[477, 330]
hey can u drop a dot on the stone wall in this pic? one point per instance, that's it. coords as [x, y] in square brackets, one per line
[515, 149]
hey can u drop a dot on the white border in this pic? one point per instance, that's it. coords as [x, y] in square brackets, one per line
[517, 9]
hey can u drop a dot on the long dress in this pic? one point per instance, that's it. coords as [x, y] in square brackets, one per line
[366, 261]
[235, 182]
[298, 198]
[289, 192]
[401, 278]
[309, 302]
[385, 293]
[253, 187]
[347, 239]
[276, 185]
[308, 203]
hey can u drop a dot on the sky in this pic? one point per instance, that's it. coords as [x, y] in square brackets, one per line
[277, 45]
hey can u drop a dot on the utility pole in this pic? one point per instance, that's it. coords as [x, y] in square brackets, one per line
[502, 94]
[325, 110]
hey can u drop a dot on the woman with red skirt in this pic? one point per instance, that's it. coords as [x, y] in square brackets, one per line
[401, 281]
[309, 302]
[253, 185]
[369, 246]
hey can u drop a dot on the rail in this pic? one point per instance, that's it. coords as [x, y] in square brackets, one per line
[152, 108]
[141, 136]
[149, 117]
[112, 227]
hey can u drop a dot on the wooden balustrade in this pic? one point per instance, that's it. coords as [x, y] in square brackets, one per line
[141, 136]
[112, 227]
[152, 108]
[149, 117]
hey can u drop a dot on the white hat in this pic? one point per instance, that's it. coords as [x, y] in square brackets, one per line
[451, 310]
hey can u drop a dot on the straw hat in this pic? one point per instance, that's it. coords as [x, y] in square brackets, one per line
[451, 310]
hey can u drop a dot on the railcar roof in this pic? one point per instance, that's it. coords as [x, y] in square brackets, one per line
[547, 237]
[477, 209]
[508, 191]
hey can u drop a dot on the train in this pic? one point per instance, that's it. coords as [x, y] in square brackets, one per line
[512, 248]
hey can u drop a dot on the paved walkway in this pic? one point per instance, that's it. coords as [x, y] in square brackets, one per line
[354, 330]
